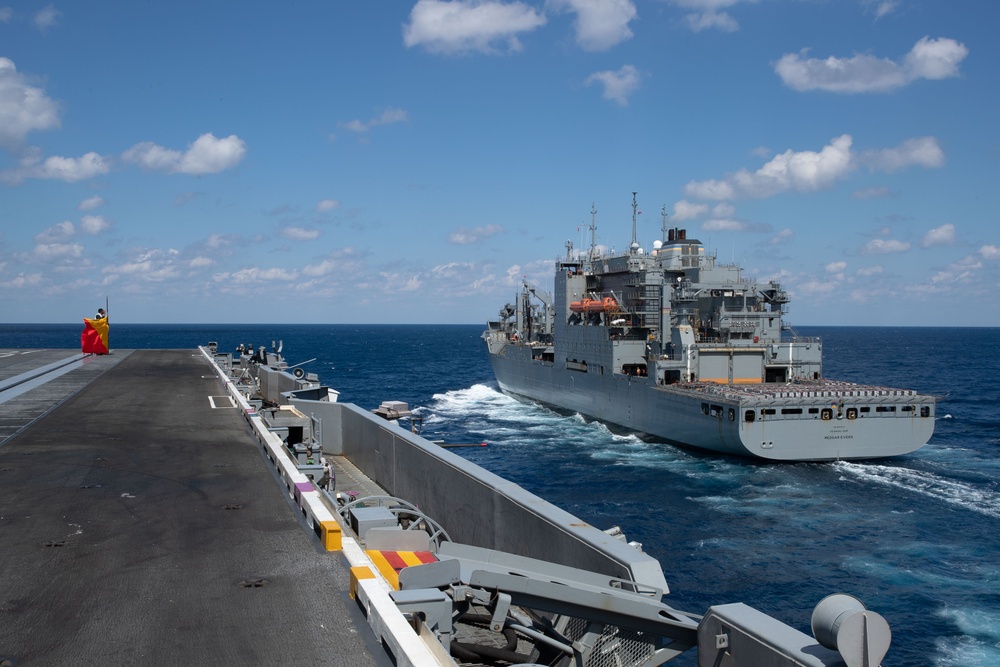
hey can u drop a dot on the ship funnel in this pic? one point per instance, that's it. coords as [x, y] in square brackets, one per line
[842, 623]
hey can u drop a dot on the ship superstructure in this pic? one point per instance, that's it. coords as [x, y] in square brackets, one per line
[674, 344]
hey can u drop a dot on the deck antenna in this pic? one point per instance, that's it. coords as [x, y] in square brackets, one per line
[593, 228]
[663, 212]
[634, 247]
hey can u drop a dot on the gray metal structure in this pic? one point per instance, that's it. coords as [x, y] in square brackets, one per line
[541, 586]
[673, 344]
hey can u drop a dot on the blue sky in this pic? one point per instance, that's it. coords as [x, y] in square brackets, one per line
[412, 161]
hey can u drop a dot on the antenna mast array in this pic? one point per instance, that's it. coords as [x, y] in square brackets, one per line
[634, 247]
[593, 228]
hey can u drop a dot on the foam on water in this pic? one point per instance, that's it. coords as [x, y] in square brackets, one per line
[980, 623]
[912, 575]
[965, 651]
[952, 491]
[979, 643]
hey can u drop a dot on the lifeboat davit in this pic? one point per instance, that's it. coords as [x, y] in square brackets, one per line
[594, 305]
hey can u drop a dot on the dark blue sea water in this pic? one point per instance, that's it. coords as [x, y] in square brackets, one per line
[917, 538]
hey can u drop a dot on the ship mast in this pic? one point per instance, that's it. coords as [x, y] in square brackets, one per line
[634, 247]
[593, 228]
[663, 212]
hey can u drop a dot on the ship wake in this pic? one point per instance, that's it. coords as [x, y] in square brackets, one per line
[953, 492]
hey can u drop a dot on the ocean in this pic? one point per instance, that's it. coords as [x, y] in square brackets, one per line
[916, 538]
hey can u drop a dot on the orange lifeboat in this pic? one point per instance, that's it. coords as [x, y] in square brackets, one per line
[593, 305]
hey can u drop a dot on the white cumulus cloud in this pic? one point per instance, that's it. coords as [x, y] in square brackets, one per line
[939, 236]
[465, 236]
[784, 236]
[90, 203]
[921, 151]
[708, 14]
[599, 24]
[387, 117]
[724, 210]
[724, 225]
[22, 281]
[791, 170]
[809, 171]
[46, 17]
[881, 7]
[321, 269]
[254, 275]
[863, 73]
[327, 205]
[685, 210]
[300, 234]
[69, 169]
[206, 155]
[463, 26]
[23, 108]
[885, 246]
[617, 85]
[50, 251]
[56, 233]
[94, 224]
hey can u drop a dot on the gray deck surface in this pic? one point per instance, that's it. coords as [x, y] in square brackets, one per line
[136, 522]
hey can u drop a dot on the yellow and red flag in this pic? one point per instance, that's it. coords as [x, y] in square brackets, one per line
[94, 338]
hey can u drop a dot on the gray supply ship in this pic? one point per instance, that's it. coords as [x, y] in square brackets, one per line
[675, 345]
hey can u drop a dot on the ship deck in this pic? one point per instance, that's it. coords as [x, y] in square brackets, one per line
[799, 391]
[141, 525]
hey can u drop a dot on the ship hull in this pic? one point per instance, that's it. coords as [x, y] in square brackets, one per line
[715, 420]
